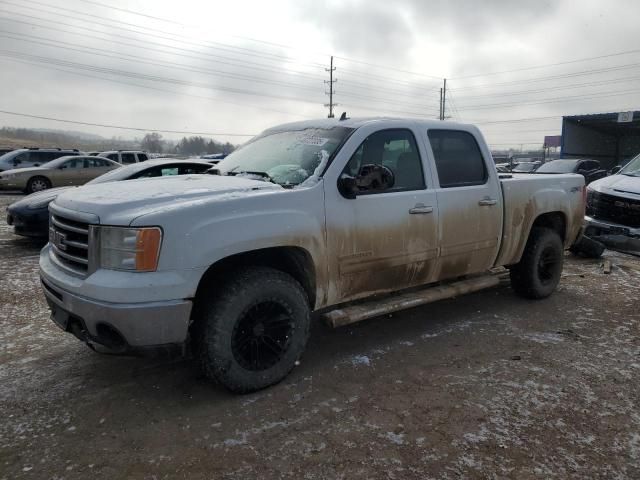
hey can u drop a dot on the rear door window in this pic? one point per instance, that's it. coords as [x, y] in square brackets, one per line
[459, 162]
[128, 158]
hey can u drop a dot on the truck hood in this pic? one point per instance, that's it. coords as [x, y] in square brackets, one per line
[120, 203]
[620, 185]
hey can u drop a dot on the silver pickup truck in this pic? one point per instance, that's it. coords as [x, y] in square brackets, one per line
[349, 219]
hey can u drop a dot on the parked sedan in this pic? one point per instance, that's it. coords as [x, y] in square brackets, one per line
[30, 215]
[589, 169]
[63, 171]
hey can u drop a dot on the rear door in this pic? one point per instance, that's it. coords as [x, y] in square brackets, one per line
[94, 167]
[469, 203]
[382, 239]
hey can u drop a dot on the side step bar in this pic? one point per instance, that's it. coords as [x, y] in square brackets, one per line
[362, 311]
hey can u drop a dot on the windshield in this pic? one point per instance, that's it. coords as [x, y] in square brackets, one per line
[525, 167]
[632, 169]
[557, 166]
[57, 162]
[120, 173]
[285, 157]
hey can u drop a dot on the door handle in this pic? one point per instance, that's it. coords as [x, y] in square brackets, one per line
[486, 202]
[420, 208]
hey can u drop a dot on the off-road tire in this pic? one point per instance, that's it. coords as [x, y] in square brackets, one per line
[35, 181]
[538, 273]
[226, 313]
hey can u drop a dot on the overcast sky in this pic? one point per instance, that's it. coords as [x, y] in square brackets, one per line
[238, 67]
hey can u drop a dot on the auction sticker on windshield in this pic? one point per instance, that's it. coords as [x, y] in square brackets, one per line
[313, 140]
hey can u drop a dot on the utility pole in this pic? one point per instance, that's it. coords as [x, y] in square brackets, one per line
[331, 81]
[440, 113]
[443, 113]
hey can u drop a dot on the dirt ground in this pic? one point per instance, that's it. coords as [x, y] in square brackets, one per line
[484, 386]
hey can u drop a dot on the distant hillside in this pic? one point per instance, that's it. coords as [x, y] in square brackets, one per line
[21, 137]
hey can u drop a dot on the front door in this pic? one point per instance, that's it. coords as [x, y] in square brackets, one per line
[71, 172]
[384, 238]
[469, 204]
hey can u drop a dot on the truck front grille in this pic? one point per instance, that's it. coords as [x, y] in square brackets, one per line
[69, 241]
[620, 210]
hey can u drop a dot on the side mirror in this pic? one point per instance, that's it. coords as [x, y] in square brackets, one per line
[616, 169]
[347, 186]
[375, 177]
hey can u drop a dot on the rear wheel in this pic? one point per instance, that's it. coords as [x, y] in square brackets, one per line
[37, 184]
[253, 330]
[538, 273]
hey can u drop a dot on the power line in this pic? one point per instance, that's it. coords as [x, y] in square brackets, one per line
[142, 60]
[562, 87]
[388, 67]
[553, 77]
[219, 45]
[227, 46]
[369, 108]
[120, 127]
[147, 42]
[147, 87]
[567, 62]
[154, 78]
[551, 100]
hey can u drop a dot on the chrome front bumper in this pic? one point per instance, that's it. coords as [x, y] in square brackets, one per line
[119, 326]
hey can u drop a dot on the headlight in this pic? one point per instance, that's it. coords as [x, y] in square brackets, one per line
[135, 249]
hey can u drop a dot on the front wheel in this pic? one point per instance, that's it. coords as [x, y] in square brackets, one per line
[37, 184]
[538, 273]
[254, 329]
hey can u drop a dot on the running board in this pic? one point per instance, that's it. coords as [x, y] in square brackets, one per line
[374, 308]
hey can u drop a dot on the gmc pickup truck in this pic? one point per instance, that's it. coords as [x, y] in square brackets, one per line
[348, 218]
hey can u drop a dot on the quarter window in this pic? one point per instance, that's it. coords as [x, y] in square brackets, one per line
[459, 161]
[394, 149]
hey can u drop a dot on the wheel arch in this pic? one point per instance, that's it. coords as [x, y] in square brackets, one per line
[294, 261]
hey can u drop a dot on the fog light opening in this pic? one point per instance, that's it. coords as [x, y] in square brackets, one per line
[110, 338]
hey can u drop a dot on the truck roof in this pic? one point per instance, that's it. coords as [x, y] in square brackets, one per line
[360, 121]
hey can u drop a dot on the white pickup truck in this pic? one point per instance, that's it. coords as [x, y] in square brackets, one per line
[330, 216]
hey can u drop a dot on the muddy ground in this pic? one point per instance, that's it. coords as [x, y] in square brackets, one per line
[483, 386]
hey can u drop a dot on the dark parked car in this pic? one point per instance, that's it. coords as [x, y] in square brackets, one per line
[30, 215]
[590, 169]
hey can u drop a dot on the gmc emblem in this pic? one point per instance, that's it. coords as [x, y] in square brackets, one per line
[630, 206]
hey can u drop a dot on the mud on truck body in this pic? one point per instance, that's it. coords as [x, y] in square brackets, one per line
[345, 218]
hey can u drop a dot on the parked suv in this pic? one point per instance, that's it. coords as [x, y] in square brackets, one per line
[125, 157]
[32, 157]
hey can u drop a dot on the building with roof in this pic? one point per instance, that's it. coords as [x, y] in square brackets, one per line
[611, 138]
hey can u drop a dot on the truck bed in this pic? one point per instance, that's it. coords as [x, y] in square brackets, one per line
[527, 196]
